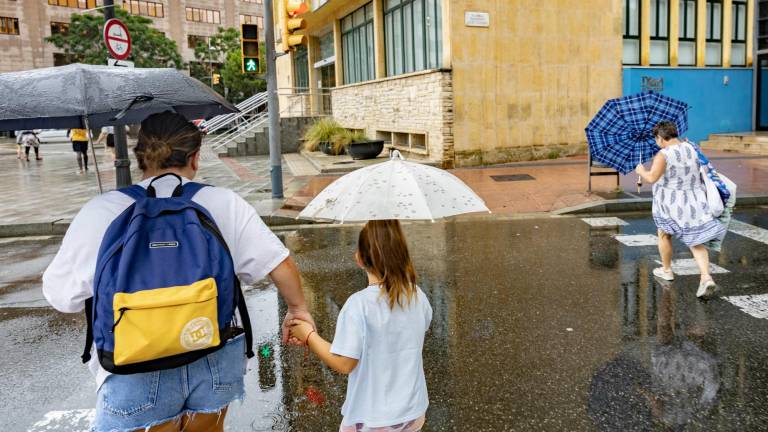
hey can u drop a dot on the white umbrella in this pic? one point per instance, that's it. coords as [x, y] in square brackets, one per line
[396, 189]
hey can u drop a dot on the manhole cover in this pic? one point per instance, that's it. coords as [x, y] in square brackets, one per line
[512, 177]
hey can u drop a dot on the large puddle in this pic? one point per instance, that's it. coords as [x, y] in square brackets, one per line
[538, 325]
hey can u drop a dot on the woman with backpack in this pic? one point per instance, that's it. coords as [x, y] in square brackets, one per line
[159, 265]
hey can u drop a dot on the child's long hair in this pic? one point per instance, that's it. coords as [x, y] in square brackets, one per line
[382, 251]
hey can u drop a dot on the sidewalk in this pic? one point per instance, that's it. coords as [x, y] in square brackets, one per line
[43, 196]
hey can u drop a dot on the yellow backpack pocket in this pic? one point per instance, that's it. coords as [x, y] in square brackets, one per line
[163, 322]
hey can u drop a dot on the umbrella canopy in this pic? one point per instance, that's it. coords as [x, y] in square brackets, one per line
[60, 97]
[620, 136]
[396, 189]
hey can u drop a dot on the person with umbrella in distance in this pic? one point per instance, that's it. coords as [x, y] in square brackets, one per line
[680, 206]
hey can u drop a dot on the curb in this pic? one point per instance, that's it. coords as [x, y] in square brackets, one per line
[644, 204]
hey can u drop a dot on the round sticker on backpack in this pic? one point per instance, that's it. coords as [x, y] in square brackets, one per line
[197, 334]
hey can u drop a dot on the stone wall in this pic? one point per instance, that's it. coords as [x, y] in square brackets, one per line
[418, 103]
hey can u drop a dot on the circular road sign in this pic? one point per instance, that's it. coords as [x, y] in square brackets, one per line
[117, 39]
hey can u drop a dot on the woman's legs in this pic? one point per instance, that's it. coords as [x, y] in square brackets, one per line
[701, 255]
[665, 250]
[213, 422]
[79, 158]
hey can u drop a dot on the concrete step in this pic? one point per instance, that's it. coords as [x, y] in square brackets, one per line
[746, 142]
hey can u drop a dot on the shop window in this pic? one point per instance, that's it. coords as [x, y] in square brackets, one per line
[631, 55]
[659, 32]
[739, 37]
[412, 35]
[357, 45]
[714, 47]
[687, 41]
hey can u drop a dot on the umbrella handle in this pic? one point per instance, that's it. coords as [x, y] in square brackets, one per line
[639, 183]
[396, 154]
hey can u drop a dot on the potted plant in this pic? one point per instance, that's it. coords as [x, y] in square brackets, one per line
[359, 146]
[325, 135]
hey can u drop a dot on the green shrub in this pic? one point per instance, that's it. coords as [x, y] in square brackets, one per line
[324, 130]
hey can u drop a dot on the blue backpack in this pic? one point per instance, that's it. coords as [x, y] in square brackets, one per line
[165, 289]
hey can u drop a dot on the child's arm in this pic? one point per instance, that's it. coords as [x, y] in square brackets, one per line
[321, 347]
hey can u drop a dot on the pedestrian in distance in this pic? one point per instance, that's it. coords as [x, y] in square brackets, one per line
[168, 319]
[379, 338]
[680, 207]
[79, 138]
[108, 134]
[27, 139]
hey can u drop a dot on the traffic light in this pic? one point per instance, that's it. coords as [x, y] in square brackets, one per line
[249, 47]
[290, 23]
[215, 78]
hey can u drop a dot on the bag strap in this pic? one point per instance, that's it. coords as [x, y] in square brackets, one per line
[190, 189]
[245, 318]
[89, 330]
[134, 191]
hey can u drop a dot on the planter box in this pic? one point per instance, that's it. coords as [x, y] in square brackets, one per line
[365, 150]
[327, 148]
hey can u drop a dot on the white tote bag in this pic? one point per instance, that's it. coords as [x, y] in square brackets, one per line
[714, 201]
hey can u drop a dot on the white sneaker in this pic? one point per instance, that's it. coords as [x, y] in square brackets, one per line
[706, 289]
[660, 273]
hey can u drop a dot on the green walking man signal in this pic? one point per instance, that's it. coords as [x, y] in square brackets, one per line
[249, 43]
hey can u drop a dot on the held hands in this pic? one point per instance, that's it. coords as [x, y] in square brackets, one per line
[296, 316]
[640, 169]
[300, 330]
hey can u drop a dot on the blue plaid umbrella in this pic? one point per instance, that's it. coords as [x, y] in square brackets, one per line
[620, 134]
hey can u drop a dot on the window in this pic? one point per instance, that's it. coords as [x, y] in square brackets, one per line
[9, 25]
[631, 28]
[739, 38]
[252, 19]
[146, 8]
[714, 51]
[203, 15]
[659, 32]
[762, 25]
[60, 59]
[194, 41]
[301, 69]
[687, 40]
[412, 35]
[59, 27]
[357, 45]
[80, 4]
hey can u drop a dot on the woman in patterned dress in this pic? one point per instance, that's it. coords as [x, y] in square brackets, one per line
[680, 206]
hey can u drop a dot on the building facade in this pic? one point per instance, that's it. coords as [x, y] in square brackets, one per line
[24, 24]
[470, 82]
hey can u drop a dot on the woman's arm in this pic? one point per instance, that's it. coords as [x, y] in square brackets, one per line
[657, 169]
[304, 331]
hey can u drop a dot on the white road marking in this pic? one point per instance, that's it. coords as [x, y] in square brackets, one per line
[70, 421]
[638, 240]
[604, 221]
[749, 231]
[688, 267]
[755, 305]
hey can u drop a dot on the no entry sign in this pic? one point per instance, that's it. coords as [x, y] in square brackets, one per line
[117, 39]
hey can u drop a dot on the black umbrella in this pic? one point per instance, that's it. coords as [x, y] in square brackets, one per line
[70, 96]
[87, 96]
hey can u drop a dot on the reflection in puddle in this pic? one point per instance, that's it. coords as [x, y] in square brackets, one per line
[526, 335]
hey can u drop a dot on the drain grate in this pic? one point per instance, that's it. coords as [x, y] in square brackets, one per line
[512, 177]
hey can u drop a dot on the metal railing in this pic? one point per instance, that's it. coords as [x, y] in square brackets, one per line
[246, 107]
[299, 104]
[306, 103]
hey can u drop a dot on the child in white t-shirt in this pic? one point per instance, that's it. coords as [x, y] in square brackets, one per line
[379, 338]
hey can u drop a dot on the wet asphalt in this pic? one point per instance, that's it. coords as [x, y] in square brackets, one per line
[539, 324]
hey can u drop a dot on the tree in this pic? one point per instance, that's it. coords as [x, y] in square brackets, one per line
[223, 56]
[83, 42]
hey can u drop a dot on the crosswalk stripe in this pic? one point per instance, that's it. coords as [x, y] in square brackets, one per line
[749, 231]
[754, 305]
[688, 267]
[604, 222]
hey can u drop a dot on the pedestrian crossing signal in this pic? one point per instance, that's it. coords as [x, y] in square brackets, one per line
[249, 44]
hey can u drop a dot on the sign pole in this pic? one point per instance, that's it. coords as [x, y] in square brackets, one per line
[122, 162]
[273, 105]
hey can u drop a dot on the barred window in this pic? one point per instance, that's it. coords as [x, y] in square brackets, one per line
[412, 35]
[687, 41]
[631, 55]
[357, 45]
[714, 50]
[659, 54]
[739, 38]
[301, 69]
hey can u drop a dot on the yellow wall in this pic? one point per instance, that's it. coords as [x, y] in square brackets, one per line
[529, 84]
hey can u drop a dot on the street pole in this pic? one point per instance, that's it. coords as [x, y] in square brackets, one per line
[273, 105]
[122, 162]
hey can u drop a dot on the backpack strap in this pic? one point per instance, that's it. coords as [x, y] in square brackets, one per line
[245, 318]
[89, 331]
[190, 189]
[136, 192]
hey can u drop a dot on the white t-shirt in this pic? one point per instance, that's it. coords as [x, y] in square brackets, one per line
[387, 387]
[68, 280]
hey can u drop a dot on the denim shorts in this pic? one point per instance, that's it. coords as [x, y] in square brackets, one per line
[208, 385]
